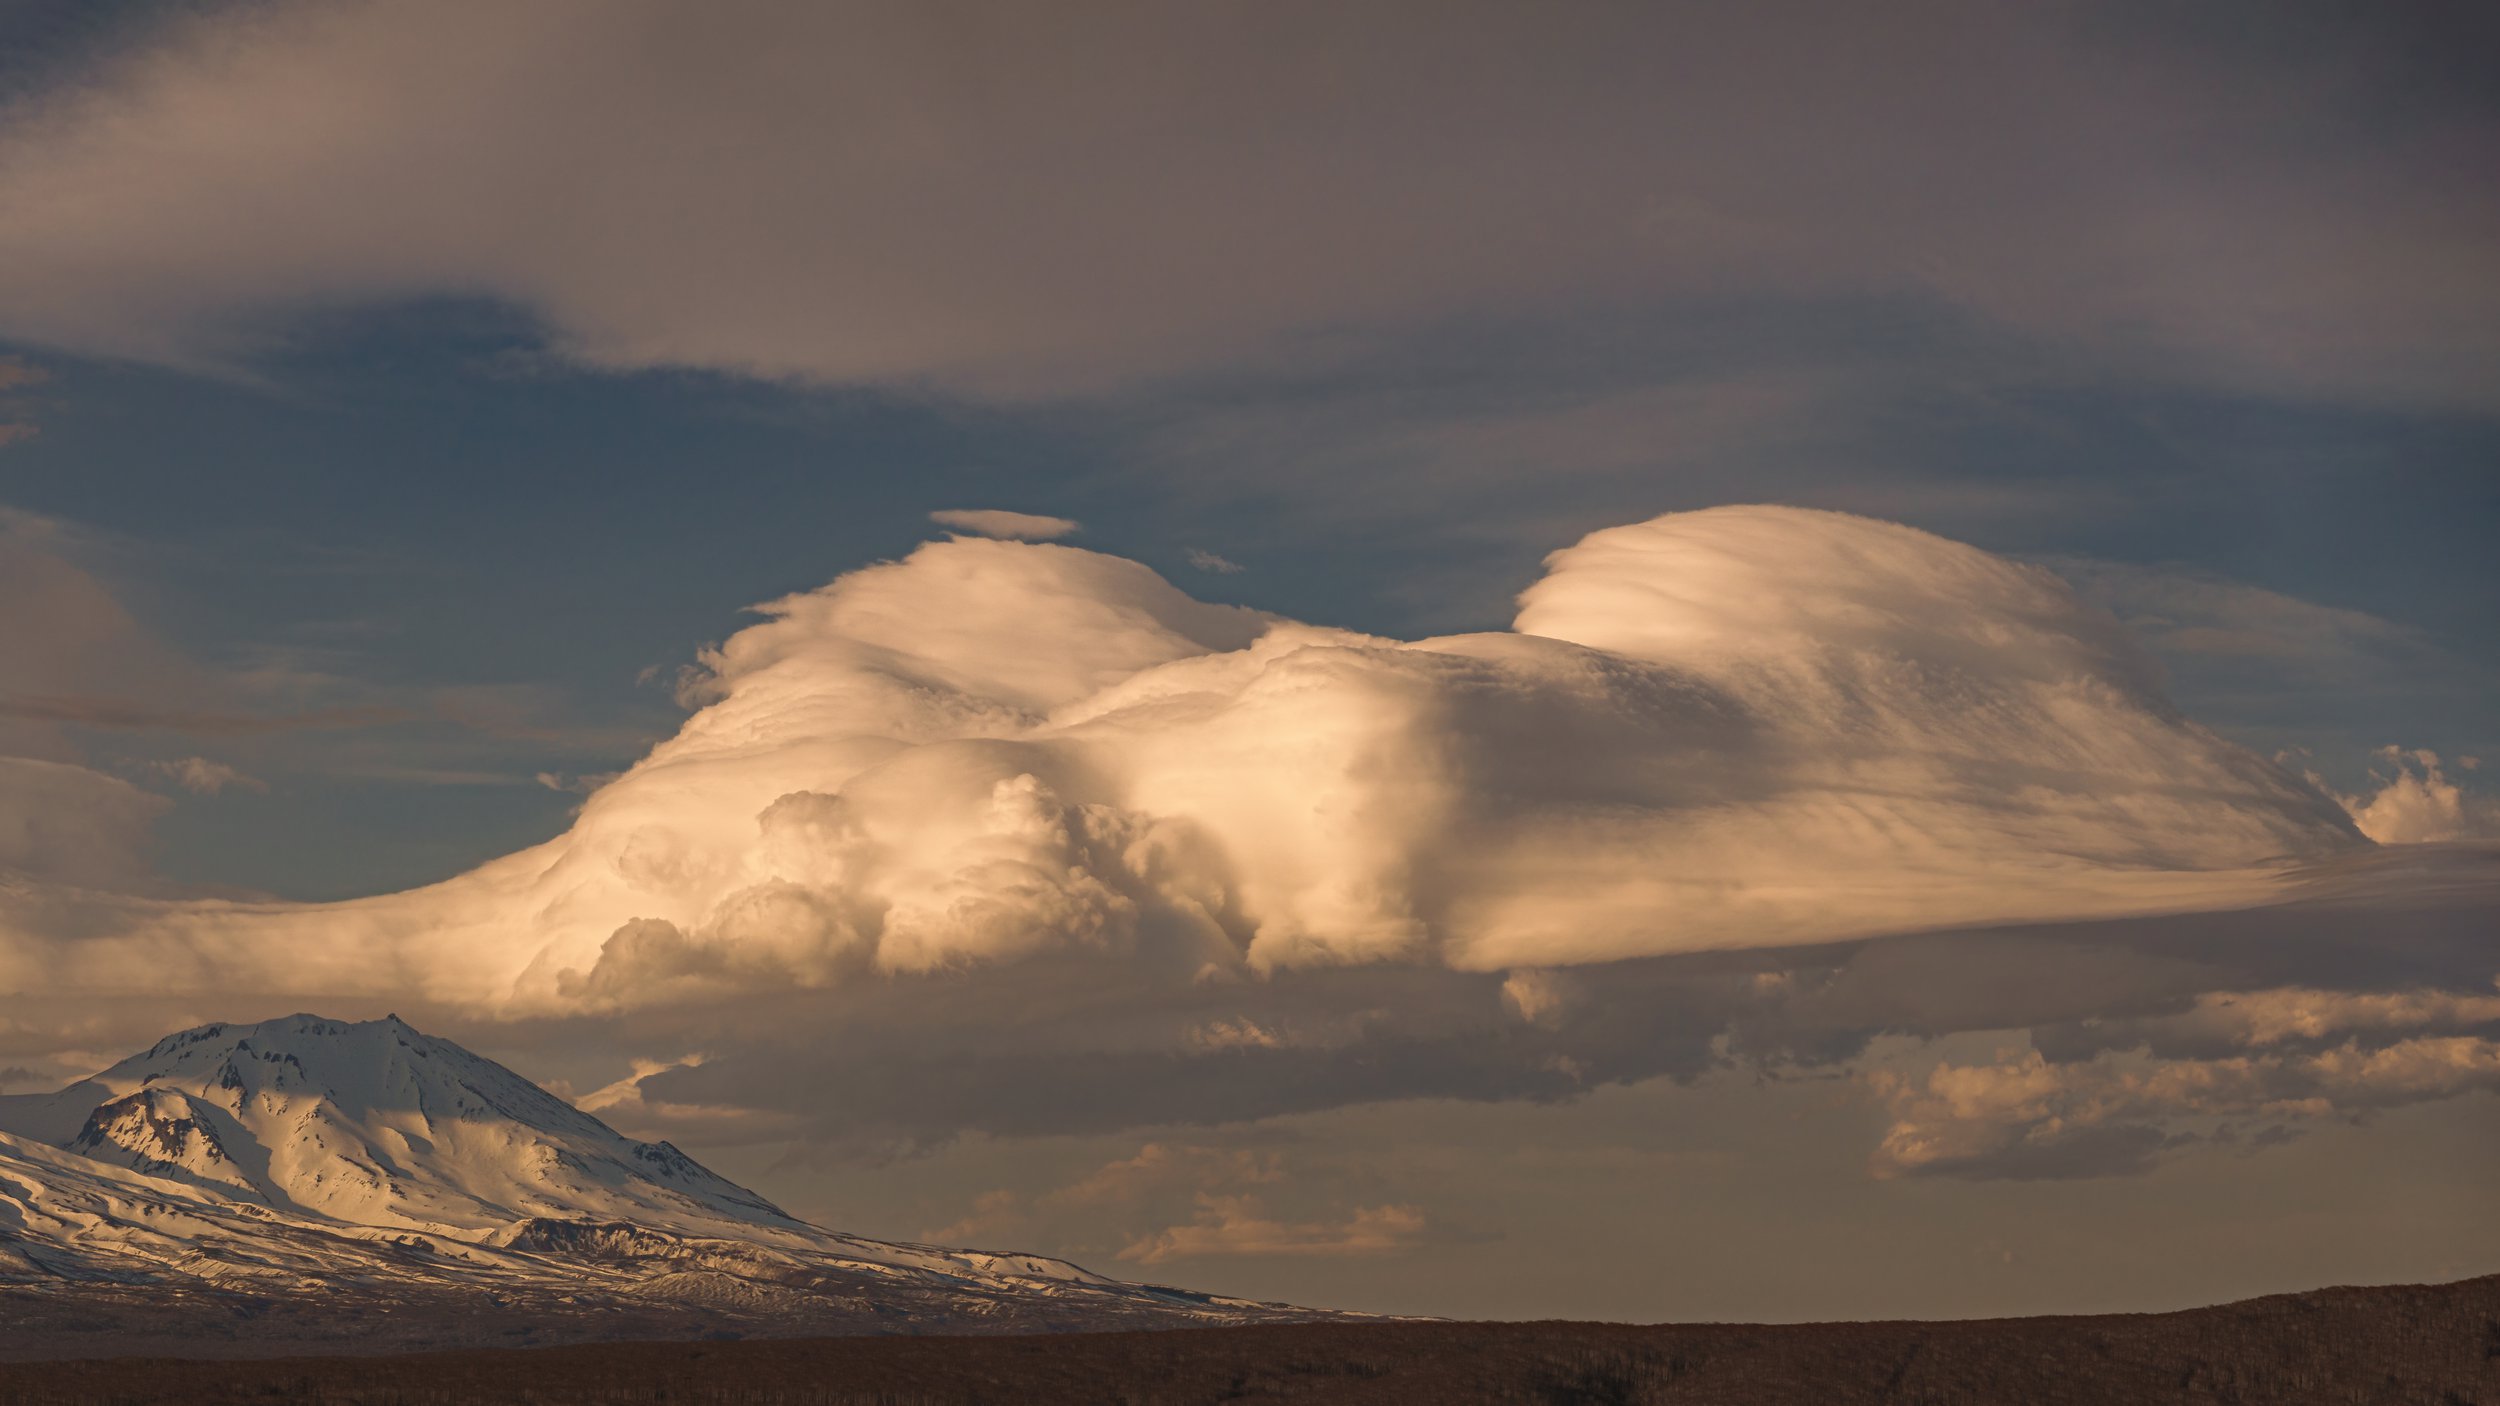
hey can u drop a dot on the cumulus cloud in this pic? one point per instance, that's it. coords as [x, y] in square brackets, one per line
[998, 522]
[1732, 728]
[2417, 803]
[2113, 1094]
[981, 195]
[2023, 1116]
[1019, 837]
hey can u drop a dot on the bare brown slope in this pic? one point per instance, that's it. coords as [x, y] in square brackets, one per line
[2436, 1345]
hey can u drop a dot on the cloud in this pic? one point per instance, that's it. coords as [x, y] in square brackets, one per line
[623, 1104]
[1773, 725]
[2026, 1117]
[1237, 1225]
[976, 196]
[2292, 675]
[2417, 803]
[2176, 610]
[997, 522]
[1209, 562]
[79, 660]
[2110, 1095]
[1159, 1174]
[1541, 997]
[201, 776]
[1021, 838]
[16, 374]
[578, 785]
[123, 714]
[994, 751]
[72, 826]
[1198, 1202]
[68, 639]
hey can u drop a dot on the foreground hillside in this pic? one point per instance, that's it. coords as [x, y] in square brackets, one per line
[2436, 1345]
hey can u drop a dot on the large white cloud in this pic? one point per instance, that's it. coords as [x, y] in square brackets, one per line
[1713, 730]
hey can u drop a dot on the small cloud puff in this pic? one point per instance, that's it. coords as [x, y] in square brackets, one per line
[2417, 802]
[998, 522]
[202, 777]
[1209, 562]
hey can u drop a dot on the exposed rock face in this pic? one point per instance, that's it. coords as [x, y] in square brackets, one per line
[158, 1132]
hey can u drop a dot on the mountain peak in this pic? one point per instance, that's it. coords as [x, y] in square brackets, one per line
[376, 1123]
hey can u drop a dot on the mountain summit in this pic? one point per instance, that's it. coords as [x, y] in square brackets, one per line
[303, 1176]
[375, 1123]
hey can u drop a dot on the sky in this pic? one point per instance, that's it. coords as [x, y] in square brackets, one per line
[1612, 661]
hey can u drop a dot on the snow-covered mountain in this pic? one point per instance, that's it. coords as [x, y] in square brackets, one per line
[328, 1164]
[374, 1123]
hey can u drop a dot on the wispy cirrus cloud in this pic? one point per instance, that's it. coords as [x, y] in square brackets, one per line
[1229, 1226]
[1187, 1201]
[2180, 610]
[16, 417]
[124, 714]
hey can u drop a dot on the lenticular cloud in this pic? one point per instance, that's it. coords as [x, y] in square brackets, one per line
[1729, 728]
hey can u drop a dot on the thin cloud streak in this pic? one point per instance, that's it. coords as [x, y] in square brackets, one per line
[120, 714]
